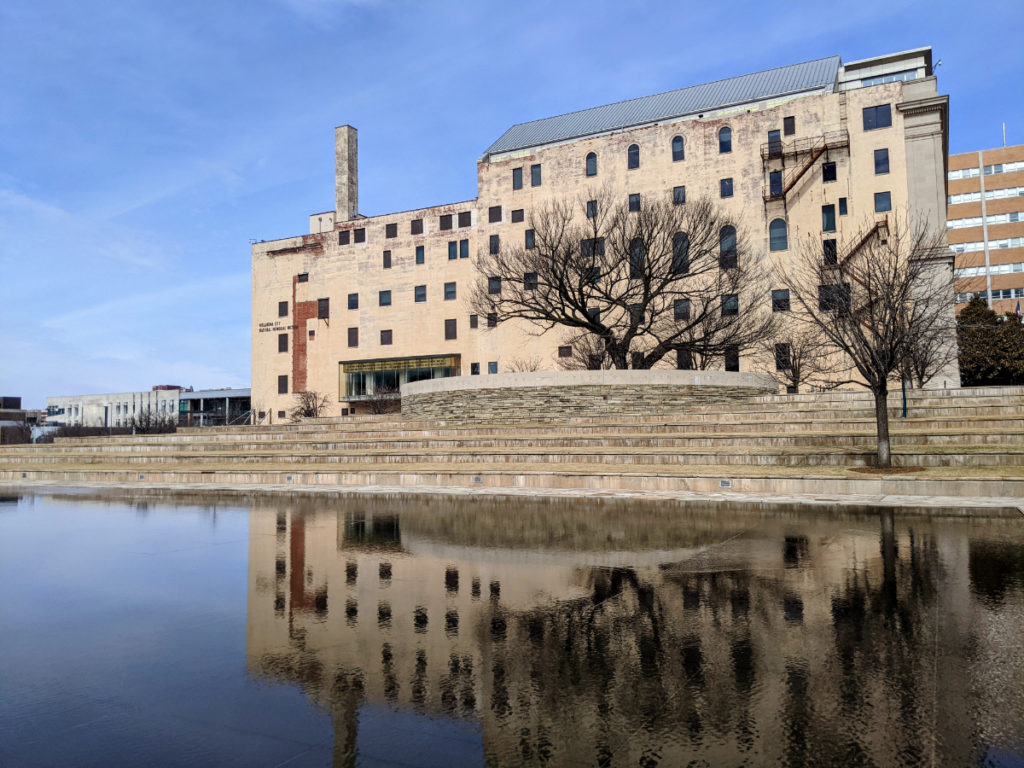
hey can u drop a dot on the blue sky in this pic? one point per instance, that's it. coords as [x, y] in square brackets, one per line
[143, 144]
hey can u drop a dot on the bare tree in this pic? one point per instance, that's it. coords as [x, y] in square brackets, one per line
[872, 298]
[523, 364]
[587, 353]
[928, 353]
[149, 421]
[309, 405]
[797, 354]
[385, 398]
[667, 277]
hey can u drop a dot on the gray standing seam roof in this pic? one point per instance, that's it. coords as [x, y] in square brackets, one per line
[771, 83]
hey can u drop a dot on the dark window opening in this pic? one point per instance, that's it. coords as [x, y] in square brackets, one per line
[384, 298]
[877, 117]
[419, 294]
[449, 291]
[474, 321]
[591, 209]
[828, 218]
[591, 247]
[637, 259]
[775, 183]
[881, 161]
[450, 329]
[465, 219]
[774, 144]
[678, 149]
[830, 251]
[420, 254]
[732, 358]
[343, 237]
[518, 215]
[385, 337]
[633, 156]
[390, 230]
[323, 309]
[725, 187]
[684, 360]
[680, 253]
[474, 369]
[282, 385]
[492, 319]
[727, 256]
[681, 309]
[565, 351]
[359, 235]
[282, 342]
[282, 309]
[446, 221]
[834, 297]
[416, 227]
[494, 214]
[724, 141]
[780, 300]
[778, 235]
[828, 171]
[591, 164]
[517, 178]
[453, 250]
[302, 278]
[678, 195]
[883, 202]
[782, 357]
[530, 281]
[531, 239]
[788, 126]
[730, 304]
[634, 202]
[387, 260]
[493, 286]
[353, 301]
[494, 244]
[842, 206]
[535, 175]
[463, 249]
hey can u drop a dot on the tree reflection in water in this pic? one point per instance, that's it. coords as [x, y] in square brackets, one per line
[615, 634]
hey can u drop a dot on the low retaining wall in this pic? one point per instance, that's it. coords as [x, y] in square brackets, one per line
[558, 395]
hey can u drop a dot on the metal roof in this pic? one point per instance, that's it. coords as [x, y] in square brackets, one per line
[771, 83]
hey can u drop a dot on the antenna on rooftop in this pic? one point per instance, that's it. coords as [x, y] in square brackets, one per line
[1004, 133]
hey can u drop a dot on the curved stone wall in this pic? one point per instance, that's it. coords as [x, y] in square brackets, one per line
[561, 395]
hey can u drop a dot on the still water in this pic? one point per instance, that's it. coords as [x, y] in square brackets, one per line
[469, 632]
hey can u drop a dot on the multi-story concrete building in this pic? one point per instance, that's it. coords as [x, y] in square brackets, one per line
[985, 219]
[818, 152]
[187, 407]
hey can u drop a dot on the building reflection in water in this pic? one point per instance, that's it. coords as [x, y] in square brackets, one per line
[613, 634]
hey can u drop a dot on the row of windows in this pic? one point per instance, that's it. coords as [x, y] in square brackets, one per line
[990, 170]
[535, 176]
[998, 293]
[445, 222]
[976, 221]
[995, 269]
[896, 77]
[1006, 242]
[990, 194]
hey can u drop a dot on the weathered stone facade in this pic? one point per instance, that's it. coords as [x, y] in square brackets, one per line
[432, 250]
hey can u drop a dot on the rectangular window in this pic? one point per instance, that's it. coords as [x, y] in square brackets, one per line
[302, 278]
[453, 250]
[493, 286]
[565, 351]
[634, 202]
[343, 237]
[416, 227]
[492, 367]
[881, 161]
[359, 235]
[681, 309]
[465, 219]
[494, 245]
[282, 309]
[877, 117]
[384, 298]
[446, 222]
[282, 385]
[684, 360]
[449, 291]
[828, 218]
[774, 144]
[775, 183]
[518, 215]
[591, 209]
[883, 202]
[780, 300]
[385, 337]
[828, 171]
[782, 357]
[591, 247]
[353, 301]
[535, 175]
[788, 126]
[494, 214]
[474, 369]
[323, 309]
[474, 321]
[730, 304]
[492, 319]
[420, 254]
[725, 187]
[450, 329]
[282, 342]
[834, 297]
[517, 178]
[678, 197]
[387, 259]
[831, 252]
[530, 281]
[531, 240]
[732, 358]
[594, 314]
[419, 294]
[842, 206]
[391, 230]
[463, 249]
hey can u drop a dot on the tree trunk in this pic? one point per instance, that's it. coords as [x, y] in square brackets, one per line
[618, 356]
[882, 426]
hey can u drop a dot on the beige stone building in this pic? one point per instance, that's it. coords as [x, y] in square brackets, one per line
[813, 154]
[985, 219]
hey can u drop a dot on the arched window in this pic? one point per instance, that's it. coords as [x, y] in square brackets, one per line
[637, 259]
[680, 253]
[678, 149]
[633, 156]
[725, 140]
[591, 164]
[727, 247]
[778, 235]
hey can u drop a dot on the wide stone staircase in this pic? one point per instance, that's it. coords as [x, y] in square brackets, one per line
[963, 443]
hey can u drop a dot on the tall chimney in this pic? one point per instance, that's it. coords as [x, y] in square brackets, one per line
[346, 172]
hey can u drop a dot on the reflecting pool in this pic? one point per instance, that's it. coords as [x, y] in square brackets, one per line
[472, 631]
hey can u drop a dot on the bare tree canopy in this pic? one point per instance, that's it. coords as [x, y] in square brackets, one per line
[309, 405]
[797, 354]
[667, 277]
[874, 298]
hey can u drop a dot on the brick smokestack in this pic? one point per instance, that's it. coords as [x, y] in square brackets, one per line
[346, 172]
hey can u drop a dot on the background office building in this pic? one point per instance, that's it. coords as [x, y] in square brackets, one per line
[819, 152]
[185, 406]
[985, 219]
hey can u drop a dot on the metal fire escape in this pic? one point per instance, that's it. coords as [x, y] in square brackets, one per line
[793, 159]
